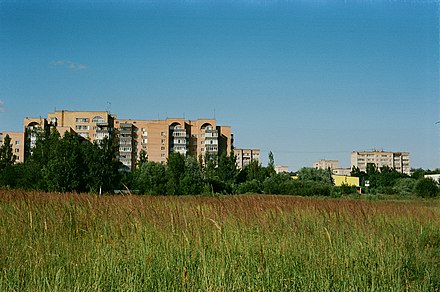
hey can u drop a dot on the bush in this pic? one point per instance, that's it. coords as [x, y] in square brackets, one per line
[251, 186]
[426, 187]
[404, 186]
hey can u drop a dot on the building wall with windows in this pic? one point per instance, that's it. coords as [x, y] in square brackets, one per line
[17, 143]
[326, 164]
[245, 156]
[159, 138]
[400, 161]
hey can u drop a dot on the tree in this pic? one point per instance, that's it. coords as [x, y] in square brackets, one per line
[192, 180]
[151, 178]
[271, 164]
[175, 169]
[426, 187]
[7, 157]
[65, 169]
[143, 157]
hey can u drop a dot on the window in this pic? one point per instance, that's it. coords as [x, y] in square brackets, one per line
[162, 155]
[82, 120]
[17, 150]
[162, 133]
[17, 142]
[203, 142]
[162, 148]
[80, 127]
[162, 141]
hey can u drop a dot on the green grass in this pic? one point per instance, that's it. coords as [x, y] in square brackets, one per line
[57, 242]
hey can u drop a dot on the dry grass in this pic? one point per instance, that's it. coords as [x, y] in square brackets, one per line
[81, 242]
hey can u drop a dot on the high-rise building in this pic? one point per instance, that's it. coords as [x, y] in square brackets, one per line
[396, 160]
[17, 143]
[246, 156]
[159, 138]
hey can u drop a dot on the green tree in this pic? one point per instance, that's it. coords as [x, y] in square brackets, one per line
[192, 180]
[151, 178]
[101, 173]
[175, 170]
[426, 187]
[271, 164]
[143, 157]
[7, 156]
[65, 169]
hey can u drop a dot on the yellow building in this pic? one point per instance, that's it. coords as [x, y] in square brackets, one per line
[340, 180]
[17, 143]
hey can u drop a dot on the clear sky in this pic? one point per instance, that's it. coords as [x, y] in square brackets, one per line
[307, 80]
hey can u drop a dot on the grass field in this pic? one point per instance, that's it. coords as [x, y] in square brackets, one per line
[57, 242]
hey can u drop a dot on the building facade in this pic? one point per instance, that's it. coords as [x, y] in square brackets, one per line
[17, 143]
[326, 164]
[159, 138]
[246, 156]
[399, 161]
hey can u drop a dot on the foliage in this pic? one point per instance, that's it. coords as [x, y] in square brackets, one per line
[426, 187]
[150, 178]
[404, 186]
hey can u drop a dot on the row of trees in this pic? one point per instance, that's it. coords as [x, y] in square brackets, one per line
[65, 164]
[71, 163]
[388, 181]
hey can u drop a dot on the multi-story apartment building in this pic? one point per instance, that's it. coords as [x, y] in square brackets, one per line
[159, 138]
[326, 164]
[281, 169]
[398, 160]
[246, 156]
[17, 143]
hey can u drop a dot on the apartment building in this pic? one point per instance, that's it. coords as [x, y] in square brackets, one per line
[246, 156]
[398, 160]
[326, 164]
[17, 143]
[281, 169]
[159, 138]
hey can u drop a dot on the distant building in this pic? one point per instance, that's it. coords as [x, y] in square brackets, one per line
[398, 160]
[246, 156]
[342, 171]
[435, 177]
[17, 143]
[281, 169]
[325, 164]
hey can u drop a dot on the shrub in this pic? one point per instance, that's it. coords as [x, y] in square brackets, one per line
[426, 187]
[404, 186]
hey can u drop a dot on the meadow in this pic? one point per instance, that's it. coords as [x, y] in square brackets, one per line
[58, 242]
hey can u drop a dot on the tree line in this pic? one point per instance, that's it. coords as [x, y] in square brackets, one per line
[74, 164]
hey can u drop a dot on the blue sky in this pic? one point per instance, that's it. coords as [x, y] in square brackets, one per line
[307, 80]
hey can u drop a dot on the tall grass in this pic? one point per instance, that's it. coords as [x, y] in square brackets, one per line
[59, 242]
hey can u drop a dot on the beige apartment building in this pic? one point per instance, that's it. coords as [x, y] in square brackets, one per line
[333, 166]
[246, 156]
[159, 138]
[398, 160]
[17, 143]
[326, 164]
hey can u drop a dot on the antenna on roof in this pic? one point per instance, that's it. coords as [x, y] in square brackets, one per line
[108, 106]
[214, 113]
